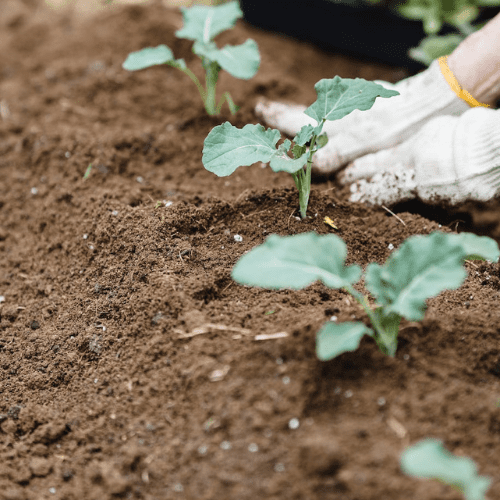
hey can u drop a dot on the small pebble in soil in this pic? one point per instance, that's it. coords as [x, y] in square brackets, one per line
[294, 423]
[34, 190]
[202, 450]
[279, 467]
[35, 325]
[168, 203]
[178, 488]
[114, 212]
[140, 179]
[2, 299]
[238, 238]
[390, 246]
[52, 490]
[406, 357]
[67, 154]
[253, 448]
[286, 380]
[333, 318]
[337, 390]
[85, 236]
[381, 401]
[222, 247]
[348, 394]
[225, 445]
[279, 361]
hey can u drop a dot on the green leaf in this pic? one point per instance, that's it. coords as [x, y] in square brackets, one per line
[337, 97]
[151, 56]
[464, 14]
[412, 11]
[322, 141]
[241, 61]
[281, 162]
[298, 151]
[428, 459]
[304, 135]
[432, 47]
[203, 23]
[432, 24]
[421, 268]
[296, 262]
[226, 147]
[334, 339]
[476, 247]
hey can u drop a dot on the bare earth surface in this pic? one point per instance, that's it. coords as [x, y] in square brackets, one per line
[104, 390]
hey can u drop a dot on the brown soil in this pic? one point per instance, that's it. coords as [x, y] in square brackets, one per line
[100, 396]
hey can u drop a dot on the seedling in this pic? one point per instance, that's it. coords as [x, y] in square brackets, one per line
[421, 268]
[227, 147]
[428, 459]
[202, 24]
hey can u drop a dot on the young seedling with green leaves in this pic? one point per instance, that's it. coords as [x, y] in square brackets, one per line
[421, 268]
[227, 147]
[202, 24]
[428, 459]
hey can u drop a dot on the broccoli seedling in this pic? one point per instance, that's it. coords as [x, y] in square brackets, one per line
[428, 459]
[202, 24]
[421, 268]
[227, 147]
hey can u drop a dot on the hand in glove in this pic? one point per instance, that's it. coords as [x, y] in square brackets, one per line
[388, 123]
[451, 158]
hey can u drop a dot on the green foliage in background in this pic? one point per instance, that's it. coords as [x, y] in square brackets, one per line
[434, 14]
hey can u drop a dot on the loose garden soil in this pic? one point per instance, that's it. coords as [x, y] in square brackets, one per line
[130, 365]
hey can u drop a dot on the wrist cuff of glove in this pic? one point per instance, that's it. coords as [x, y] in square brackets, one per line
[455, 86]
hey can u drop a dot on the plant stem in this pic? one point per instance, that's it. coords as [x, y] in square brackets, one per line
[302, 180]
[466, 29]
[385, 338]
[212, 75]
[195, 80]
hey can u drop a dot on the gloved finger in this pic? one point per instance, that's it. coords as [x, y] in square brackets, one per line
[394, 159]
[385, 188]
[288, 118]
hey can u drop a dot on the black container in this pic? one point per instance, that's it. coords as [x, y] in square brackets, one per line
[351, 27]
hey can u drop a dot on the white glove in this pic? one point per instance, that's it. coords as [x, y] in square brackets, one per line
[450, 159]
[388, 123]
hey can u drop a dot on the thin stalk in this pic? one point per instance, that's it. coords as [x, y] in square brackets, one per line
[212, 75]
[466, 29]
[386, 340]
[195, 80]
[232, 106]
[303, 180]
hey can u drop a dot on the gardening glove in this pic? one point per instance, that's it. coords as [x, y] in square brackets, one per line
[451, 159]
[388, 123]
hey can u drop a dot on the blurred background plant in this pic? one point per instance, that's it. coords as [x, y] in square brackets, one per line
[435, 14]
